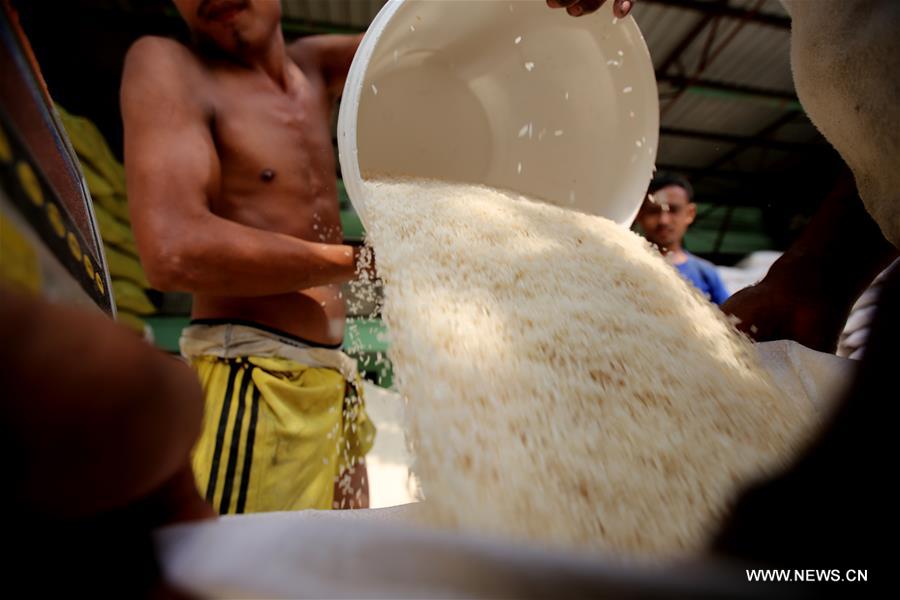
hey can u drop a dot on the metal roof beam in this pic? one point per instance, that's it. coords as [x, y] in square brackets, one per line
[741, 140]
[715, 9]
[689, 171]
[708, 87]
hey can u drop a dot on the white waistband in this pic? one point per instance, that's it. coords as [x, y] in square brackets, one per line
[230, 340]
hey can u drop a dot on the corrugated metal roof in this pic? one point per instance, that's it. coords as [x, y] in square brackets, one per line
[663, 27]
[713, 114]
[756, 56]
[745, 87]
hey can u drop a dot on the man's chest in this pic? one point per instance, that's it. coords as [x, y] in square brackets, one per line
[276, 156]
[256, 127]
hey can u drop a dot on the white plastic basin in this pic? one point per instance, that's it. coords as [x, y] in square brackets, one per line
[512, 95]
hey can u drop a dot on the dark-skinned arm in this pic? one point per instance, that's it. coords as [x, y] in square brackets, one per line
[326, 56]
[173, 171]
[95, 419]
[808, 293]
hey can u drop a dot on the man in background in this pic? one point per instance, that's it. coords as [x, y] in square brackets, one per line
[665, 216]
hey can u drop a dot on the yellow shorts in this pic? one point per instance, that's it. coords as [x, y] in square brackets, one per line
[277, 433]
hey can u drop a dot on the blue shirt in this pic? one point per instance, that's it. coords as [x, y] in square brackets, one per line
[703, 275]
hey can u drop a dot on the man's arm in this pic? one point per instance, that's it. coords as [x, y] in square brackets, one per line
[93, 418]
[173, 170]
[329, 55]
[808, 293]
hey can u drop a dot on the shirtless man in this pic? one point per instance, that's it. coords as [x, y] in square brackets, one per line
[231, 179]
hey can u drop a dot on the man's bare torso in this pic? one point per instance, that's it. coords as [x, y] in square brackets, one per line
[277, 174]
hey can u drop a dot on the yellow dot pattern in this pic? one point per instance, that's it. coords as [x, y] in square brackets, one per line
[88, 267]
[30, 183]
[98, 280]
[56, 221]
[74, 246]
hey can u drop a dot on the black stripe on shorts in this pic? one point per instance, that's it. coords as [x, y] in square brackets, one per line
[220, 433]
[230, 469]
[248, 453]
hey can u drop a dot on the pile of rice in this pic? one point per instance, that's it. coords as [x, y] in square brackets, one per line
[564, 385]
